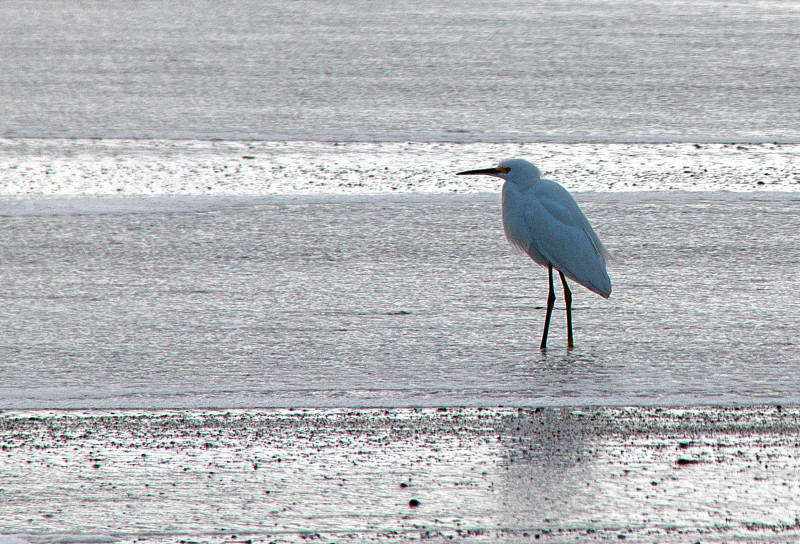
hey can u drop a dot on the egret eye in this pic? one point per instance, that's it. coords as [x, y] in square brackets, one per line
[503, 169]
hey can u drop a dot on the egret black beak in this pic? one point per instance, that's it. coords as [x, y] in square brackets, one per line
[483, 171]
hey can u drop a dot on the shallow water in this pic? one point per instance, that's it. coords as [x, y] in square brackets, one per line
[395, 301]
[563, 70]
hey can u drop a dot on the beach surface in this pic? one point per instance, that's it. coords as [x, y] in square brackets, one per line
[245, 298]
[703, 474]
[32, 168]
[286, 362]
[393, 301]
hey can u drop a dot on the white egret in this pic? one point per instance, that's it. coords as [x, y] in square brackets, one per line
[542, 219]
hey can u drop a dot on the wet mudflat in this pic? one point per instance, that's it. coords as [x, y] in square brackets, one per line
[171, 324]
[473, 474]
[398, 301]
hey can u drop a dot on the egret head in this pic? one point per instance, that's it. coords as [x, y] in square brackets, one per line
[515, 170]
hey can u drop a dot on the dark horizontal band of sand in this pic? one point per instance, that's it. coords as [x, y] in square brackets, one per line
[554, 474]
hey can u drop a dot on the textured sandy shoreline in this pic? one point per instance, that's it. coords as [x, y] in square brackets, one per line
[66, 167]
[475, 474]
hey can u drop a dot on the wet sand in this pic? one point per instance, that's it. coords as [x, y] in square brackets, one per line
[66, 168]
[708, 474]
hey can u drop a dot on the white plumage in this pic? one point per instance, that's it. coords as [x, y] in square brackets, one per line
[542, 219]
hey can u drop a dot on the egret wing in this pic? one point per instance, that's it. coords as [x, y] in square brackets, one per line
[549, 226]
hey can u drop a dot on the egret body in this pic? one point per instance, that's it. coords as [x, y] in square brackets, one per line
[542, 219]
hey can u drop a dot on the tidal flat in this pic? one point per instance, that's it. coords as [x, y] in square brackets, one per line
[710, 474]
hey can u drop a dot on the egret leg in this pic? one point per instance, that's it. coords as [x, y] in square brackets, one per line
[568, 302]
[551, 300]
